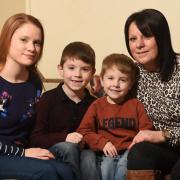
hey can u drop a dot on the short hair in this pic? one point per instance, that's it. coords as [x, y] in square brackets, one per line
[79, 50]
[11, 25]
[152, 23]
[122, 62]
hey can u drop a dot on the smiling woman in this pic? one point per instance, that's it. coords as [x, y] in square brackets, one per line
[21, 45]
[148, 41]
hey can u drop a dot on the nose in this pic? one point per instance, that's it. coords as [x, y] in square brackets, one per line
[140, 43]
[31, 46]
[116, 83]
[78, 73]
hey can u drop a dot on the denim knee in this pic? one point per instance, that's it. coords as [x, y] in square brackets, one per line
[65, 148]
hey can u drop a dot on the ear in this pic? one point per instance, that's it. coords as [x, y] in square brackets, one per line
[60, 70]
[93, 72]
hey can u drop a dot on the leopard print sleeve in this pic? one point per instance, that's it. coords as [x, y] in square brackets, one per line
[162, 101]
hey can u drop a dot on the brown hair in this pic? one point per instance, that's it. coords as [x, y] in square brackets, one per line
[122, 62]
[10, 26]
[79, 50]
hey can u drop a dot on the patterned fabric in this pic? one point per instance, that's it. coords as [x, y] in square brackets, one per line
[17, 114]
[162, 101]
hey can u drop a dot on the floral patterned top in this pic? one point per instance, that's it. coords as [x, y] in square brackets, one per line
[17, 112]
[162, 101]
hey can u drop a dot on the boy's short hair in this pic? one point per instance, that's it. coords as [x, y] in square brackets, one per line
[79, 50]
[122, 62]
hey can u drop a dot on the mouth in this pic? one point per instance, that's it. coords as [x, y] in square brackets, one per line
[76, 81]
[115, 90]
[142, 52]
[30, 56]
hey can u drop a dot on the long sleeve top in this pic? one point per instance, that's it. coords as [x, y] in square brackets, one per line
[17, 112]
[57, 115]
[162, 101]
[117, 123]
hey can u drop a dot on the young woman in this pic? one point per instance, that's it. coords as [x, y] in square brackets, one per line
[21, 46]
[148, 41]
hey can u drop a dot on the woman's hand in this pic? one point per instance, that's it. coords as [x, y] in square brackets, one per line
[74, 137]
[148, 136]
[110, 150]
[39, 153]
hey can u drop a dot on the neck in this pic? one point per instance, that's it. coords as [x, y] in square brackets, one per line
[14, 74]
[75, 96]
[151, 67]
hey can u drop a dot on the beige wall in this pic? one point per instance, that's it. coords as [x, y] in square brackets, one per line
[97, 22]
[10, 7]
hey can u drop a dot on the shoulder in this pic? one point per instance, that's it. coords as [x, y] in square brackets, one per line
[178, 63]
[89, 97]
[134, 102]
[100, 101]
[51, 93]
[35, 80]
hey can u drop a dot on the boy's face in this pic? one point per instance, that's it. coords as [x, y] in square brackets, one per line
[76, 74]
[116, 85]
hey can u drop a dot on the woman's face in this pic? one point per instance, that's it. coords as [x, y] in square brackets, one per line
[26, 45]
[143, 49]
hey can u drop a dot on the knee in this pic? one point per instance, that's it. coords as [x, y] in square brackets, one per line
[175, 174]
[138, 155]
[107, 162]
[65, 148]
[47, 169]
[88, 156]
[88, 159]
[139, 151]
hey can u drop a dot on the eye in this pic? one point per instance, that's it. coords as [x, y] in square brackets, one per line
[132, 39]
[71, 67]
[23, 40]
[123, 80]
[86, 69]
[110, 78]
[38, 43]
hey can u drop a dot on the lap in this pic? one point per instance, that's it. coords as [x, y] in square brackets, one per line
[145, 156]
[29, 168]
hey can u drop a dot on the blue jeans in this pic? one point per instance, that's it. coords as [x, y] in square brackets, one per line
[24, 168]
[83, 164]
[113, 168]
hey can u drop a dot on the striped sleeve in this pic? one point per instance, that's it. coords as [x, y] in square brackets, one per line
[7, 149]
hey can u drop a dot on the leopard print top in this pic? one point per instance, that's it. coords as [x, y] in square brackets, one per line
[162, 101]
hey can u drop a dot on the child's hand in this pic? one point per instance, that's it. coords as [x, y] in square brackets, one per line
[110, 150]
[74, 137]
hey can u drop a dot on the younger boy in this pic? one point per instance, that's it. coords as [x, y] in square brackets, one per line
[60, 110]
[111, 122]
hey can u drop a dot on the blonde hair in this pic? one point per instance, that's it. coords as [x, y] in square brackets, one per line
[122, 62]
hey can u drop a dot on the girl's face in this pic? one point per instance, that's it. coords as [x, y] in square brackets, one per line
[26, 45]
[143, 49]
[116, 85]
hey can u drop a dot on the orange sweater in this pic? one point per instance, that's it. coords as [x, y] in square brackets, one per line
[117, 123]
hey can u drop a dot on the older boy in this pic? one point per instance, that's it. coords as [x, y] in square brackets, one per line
[60, 110]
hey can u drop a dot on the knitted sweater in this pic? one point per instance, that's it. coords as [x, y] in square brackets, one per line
[17, 114]
[117, 123]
